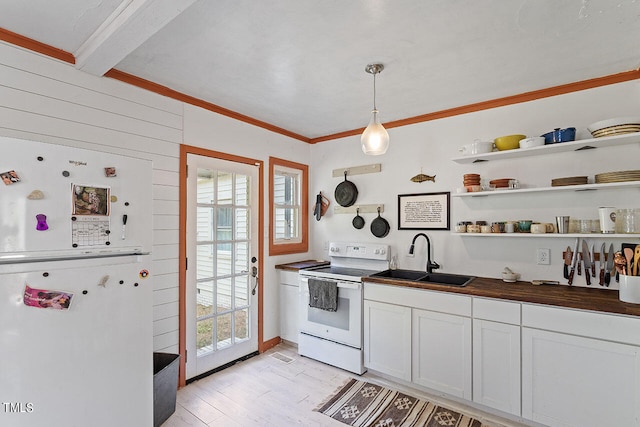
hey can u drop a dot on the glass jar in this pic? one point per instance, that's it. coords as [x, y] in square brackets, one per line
[628, 221]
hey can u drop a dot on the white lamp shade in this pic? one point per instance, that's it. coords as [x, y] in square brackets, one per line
[375, 138]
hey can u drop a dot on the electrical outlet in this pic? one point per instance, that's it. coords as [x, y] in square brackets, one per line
[543, 256]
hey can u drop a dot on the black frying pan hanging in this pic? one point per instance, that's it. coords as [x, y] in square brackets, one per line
[380, 226]
[346, 192]
[358, 221]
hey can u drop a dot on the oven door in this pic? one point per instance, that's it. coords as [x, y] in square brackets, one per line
[342, 326]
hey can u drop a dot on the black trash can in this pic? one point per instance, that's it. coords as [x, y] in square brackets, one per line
[165, 386]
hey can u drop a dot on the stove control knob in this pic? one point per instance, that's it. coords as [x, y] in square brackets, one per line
[334, 249]
[383, 251]
[377, 251]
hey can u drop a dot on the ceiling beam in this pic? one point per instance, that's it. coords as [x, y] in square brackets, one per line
[130, 25]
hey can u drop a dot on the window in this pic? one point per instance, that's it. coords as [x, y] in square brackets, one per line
[288, 207]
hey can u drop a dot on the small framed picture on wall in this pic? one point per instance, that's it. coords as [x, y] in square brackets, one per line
[425, 211]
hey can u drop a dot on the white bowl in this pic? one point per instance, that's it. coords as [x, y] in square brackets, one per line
[477, 147]
[534, 141]
[510, 277]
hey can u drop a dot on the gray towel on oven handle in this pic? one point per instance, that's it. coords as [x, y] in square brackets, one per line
[323, 294]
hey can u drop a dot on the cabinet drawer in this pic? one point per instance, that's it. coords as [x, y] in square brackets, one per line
[589, 324]
[496, 310]
[419, 298]
[289, 277]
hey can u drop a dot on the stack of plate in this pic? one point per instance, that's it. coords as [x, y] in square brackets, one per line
[471, 179]
[617, 126]
[501, 183]
[571, 180]
[471, 182]
[619, 176]
[616, 130]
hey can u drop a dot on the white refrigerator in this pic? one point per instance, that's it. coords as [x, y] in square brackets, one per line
[75, 287]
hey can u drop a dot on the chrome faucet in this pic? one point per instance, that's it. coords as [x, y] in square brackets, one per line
[430, 264]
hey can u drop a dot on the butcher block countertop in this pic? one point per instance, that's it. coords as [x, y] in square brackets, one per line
[594, 298]
[299, 265]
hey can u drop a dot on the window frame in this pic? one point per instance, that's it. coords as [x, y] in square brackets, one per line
[281, 248]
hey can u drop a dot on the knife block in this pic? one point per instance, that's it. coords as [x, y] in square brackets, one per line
[630, 289]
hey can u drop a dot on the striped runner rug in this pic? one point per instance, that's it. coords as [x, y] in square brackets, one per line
[363, 404]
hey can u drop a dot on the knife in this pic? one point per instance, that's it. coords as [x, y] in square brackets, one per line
[567, 262]
[592, 258]
[607, 274]
[602, 263]
[587, 262]
[574, 261]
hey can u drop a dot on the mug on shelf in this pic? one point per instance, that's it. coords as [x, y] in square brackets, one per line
[524, 225]
[461, 228]
[538, 228]
[607, 219]
[473, 228]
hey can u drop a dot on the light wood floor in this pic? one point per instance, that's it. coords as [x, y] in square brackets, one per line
[266, 391]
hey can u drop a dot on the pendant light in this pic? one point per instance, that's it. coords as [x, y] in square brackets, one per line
[374, 139]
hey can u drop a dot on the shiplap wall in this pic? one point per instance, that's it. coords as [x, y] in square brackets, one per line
[42, 99]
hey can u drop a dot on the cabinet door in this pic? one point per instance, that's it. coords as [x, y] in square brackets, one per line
[496, 365]
[289, 313]
[574, 381]
[442, 352]
[387, 339]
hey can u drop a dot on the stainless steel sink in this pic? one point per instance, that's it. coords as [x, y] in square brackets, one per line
[422, 276]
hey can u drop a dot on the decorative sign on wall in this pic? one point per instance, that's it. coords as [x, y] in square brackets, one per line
[427, 211]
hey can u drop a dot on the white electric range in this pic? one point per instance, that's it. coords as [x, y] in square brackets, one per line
[336, 337]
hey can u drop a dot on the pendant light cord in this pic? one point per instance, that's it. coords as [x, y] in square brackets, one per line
[374, 90]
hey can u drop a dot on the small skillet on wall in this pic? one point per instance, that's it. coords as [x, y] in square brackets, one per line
[346, 192]
[379, 226]
[358, 221]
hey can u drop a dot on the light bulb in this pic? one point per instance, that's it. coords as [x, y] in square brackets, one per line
[375, 138]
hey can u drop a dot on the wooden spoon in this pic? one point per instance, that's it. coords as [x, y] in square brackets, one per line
[636, 259]
[628, 254]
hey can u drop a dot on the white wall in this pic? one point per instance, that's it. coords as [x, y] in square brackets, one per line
[432, 145]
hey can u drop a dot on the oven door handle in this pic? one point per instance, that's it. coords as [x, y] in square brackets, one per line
[350, 285]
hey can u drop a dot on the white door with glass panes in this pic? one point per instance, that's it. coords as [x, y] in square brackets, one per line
[222, 247]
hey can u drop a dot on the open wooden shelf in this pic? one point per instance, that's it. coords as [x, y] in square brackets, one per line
[583, 187]
[551, 235]
[582, 144]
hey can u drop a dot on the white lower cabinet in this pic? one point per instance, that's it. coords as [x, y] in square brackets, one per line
[572, 379]
[407, 335]
[496, 354]
[555, 366]
[442, 352]
[387, 339]
[496, 365]
[289, 305]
